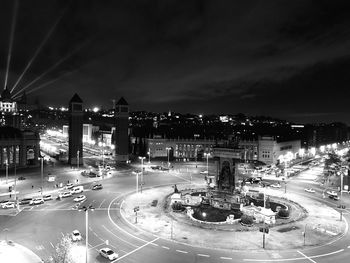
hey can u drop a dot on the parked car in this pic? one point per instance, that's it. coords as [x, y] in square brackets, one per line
[21, 178]
[8, 205]
[79, 198]
[156, 167]
[69, 186]
[47, 197]
[309, 190]
[25, 201]
[108, 253]
[329, 192]
[37, 201]
[276, 185]
[77, 189]
[97, 187]
[203, 172]
[76, 236]
[65, 194]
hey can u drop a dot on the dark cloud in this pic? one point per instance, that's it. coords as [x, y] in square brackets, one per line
[258, 57]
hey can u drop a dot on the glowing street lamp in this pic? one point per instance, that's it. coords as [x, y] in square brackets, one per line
[313, 151]
[102, 144]
[207, 156]
[7, 170]
[149, 155]
[78, 159]
[167, 150]
[322, 148]
[141, 158]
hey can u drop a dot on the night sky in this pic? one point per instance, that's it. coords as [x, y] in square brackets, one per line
[285, 59]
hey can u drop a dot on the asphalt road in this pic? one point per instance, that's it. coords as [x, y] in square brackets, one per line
[41, 227]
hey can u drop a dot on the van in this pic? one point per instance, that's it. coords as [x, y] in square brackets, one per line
[77, 189]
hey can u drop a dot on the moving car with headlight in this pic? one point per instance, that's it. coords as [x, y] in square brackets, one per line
[79, 198]
[309, 190]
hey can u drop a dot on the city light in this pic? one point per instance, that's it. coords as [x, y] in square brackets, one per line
[95, 109]
[313, 150]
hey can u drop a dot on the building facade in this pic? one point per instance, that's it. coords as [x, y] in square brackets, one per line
[18, 148]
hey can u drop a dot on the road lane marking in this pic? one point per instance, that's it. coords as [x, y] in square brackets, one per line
[52, 245]
[165, 247]
[62, 234]
[133, 245]
[292, 259]
[203, 255]
[301, 253]
[131, 252]
[226, 258]
[181, 251]
[102, 203]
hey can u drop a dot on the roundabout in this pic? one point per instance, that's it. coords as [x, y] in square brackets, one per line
[310, 225]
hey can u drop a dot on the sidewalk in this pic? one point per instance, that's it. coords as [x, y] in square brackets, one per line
[16, 253]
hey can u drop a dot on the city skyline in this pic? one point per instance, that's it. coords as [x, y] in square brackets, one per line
[286, 60]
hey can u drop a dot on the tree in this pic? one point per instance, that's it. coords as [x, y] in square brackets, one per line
[63, 251]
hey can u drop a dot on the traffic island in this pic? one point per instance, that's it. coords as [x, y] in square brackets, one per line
[309, 224]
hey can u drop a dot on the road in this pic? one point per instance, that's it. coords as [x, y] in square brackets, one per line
[41, 227]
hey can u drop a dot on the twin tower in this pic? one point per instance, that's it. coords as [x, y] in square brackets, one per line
[75, 132]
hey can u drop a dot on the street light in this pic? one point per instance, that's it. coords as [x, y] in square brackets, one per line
[102, 144]
[7, 170]
[6, 230]
[141, 158]
[86, 210]
[78, 159]
[167, 151]
[207, 155]
[149, 155]
[42, 172]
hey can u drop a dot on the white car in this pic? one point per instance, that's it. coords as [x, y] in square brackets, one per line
[309, 190]
[8, 205]
[204, 172]
[79, 198]
[108, 253]
[37, 201]
[76, 236]
[332, 192]
[47, 197]
[65, 194]
[275, 185]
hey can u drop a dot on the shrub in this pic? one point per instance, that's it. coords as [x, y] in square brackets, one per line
[283, 212]
[247, 220]
[177, 206]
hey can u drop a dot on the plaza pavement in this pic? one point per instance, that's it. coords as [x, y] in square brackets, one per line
[322, 224]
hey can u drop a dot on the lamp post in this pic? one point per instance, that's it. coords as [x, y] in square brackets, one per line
[167, 151]
[7, 170]
[149, 155]
[6, 230]
[207, 156]
[86, 210]
[42, 172]
[141, 158]
[78, 159]
[102, 144]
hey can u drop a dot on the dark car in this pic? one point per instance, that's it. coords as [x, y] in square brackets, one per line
[25, 201]
[334, 197]
[21, 178]
[97, 187]
[156, 167]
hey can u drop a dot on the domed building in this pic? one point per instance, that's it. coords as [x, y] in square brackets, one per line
[7, 104]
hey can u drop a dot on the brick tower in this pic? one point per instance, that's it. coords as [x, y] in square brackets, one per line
[121, 130]
[75, 131]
